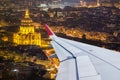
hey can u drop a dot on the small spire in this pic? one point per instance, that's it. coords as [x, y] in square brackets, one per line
[27, 13]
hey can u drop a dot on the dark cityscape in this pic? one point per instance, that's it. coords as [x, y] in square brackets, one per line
[25, 45]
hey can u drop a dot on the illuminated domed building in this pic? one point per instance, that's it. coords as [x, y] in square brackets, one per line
[27, 34]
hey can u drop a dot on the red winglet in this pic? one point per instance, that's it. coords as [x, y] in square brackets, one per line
[48, 30]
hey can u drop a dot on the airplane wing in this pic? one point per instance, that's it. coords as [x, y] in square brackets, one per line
[80, 61]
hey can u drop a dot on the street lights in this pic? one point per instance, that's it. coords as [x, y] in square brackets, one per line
[16, 73]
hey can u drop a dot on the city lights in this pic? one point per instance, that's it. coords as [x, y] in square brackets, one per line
[26, 51]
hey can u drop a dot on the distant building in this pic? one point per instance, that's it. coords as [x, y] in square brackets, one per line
[84, 3]
[4, 38]
[43, 7]
[107, 4]
[27, 34]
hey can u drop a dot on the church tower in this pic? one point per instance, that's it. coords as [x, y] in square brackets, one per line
[27, 34]
[26, 24]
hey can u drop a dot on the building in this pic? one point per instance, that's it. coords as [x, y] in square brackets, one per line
[27, 34]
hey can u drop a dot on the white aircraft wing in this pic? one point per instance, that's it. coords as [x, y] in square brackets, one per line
[80, 61]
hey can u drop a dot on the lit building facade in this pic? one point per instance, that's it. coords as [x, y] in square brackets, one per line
[27, 34]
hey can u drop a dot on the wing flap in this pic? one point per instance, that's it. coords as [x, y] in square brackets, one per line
[85, 67]
[82, 70]
[67, 70]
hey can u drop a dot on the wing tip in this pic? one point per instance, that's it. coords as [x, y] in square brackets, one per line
[49, 31]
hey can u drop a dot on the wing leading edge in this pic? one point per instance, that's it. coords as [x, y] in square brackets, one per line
[79, 61]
